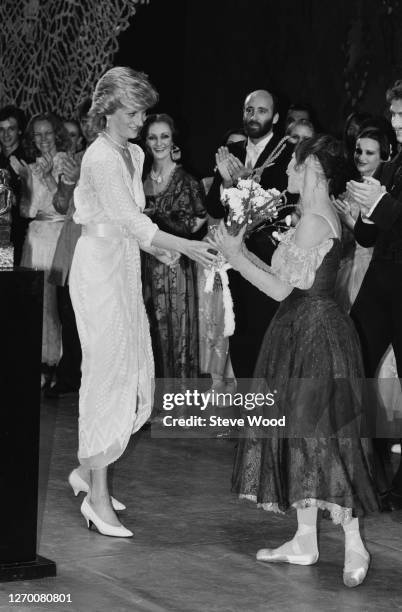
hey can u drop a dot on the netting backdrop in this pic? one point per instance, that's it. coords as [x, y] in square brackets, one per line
[52, 52]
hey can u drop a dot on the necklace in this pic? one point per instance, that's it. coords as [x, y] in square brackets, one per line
[159, 177]
[123, 147]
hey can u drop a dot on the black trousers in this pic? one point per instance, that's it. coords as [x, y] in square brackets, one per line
[68, 372]
[377, 314]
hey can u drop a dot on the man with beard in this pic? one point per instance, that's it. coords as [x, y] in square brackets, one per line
[253, 310]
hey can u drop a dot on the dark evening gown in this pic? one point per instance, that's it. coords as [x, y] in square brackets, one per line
[170, 292]
[311, 357]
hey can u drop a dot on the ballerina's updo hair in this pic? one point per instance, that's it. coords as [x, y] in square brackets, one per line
[331, 155]
[118, 87]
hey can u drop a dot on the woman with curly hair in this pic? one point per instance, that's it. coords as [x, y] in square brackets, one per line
[46, 143]
[310, 361]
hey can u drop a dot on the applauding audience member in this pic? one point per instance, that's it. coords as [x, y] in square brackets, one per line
[376, 310]
[267, 152]
[76, 138]
[373, 147]
[68, 371]
[46, 140]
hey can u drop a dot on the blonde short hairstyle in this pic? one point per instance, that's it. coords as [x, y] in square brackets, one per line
[118, 87]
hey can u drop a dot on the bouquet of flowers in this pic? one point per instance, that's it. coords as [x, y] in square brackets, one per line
[249, 204]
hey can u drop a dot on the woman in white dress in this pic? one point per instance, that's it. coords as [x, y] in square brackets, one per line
[105, 285]
[47, 140]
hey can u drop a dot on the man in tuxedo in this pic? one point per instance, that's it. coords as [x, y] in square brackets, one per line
[377, 311]
[253, 310]
[12, 126]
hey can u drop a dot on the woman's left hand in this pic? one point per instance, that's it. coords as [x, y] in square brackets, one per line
[45, 163]
[229, 246]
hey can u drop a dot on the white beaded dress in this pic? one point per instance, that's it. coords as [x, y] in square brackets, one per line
[105, 285]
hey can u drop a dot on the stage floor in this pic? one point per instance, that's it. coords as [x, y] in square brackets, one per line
[195, 543]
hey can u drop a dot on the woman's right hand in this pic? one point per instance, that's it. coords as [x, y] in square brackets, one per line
[71, 170]
[201, 252]
[344, 211]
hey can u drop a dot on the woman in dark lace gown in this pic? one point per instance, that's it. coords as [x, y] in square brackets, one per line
[174, 201]
[311, 357]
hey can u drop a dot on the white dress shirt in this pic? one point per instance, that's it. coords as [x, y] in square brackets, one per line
[254, 150]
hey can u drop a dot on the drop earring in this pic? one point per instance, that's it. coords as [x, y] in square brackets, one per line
[175, 153]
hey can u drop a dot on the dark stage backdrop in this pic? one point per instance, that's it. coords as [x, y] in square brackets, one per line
[204, 56]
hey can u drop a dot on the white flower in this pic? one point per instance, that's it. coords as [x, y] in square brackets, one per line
[245, 184]
[272, 193]
[259, 201]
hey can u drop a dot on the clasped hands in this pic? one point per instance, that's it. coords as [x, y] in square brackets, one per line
[230, 167]
[41, 168]
[365, 194]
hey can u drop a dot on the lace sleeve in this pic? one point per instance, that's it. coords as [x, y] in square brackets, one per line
[297, 266]
[197, 199]
[107, 179]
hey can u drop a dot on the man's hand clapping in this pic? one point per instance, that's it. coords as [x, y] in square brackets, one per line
[230, 167]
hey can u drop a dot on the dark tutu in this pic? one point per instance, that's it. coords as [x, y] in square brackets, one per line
[311, 358]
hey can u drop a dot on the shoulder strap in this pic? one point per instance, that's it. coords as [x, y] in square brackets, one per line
[331, 225]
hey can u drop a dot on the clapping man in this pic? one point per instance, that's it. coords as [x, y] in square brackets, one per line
[377, 311]
[267, 150]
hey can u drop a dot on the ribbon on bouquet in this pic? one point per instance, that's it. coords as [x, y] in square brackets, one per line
[229, 318]
[257, 172]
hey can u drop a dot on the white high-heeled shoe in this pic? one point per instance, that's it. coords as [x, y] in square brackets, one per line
[79, 485]
[104, 528]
